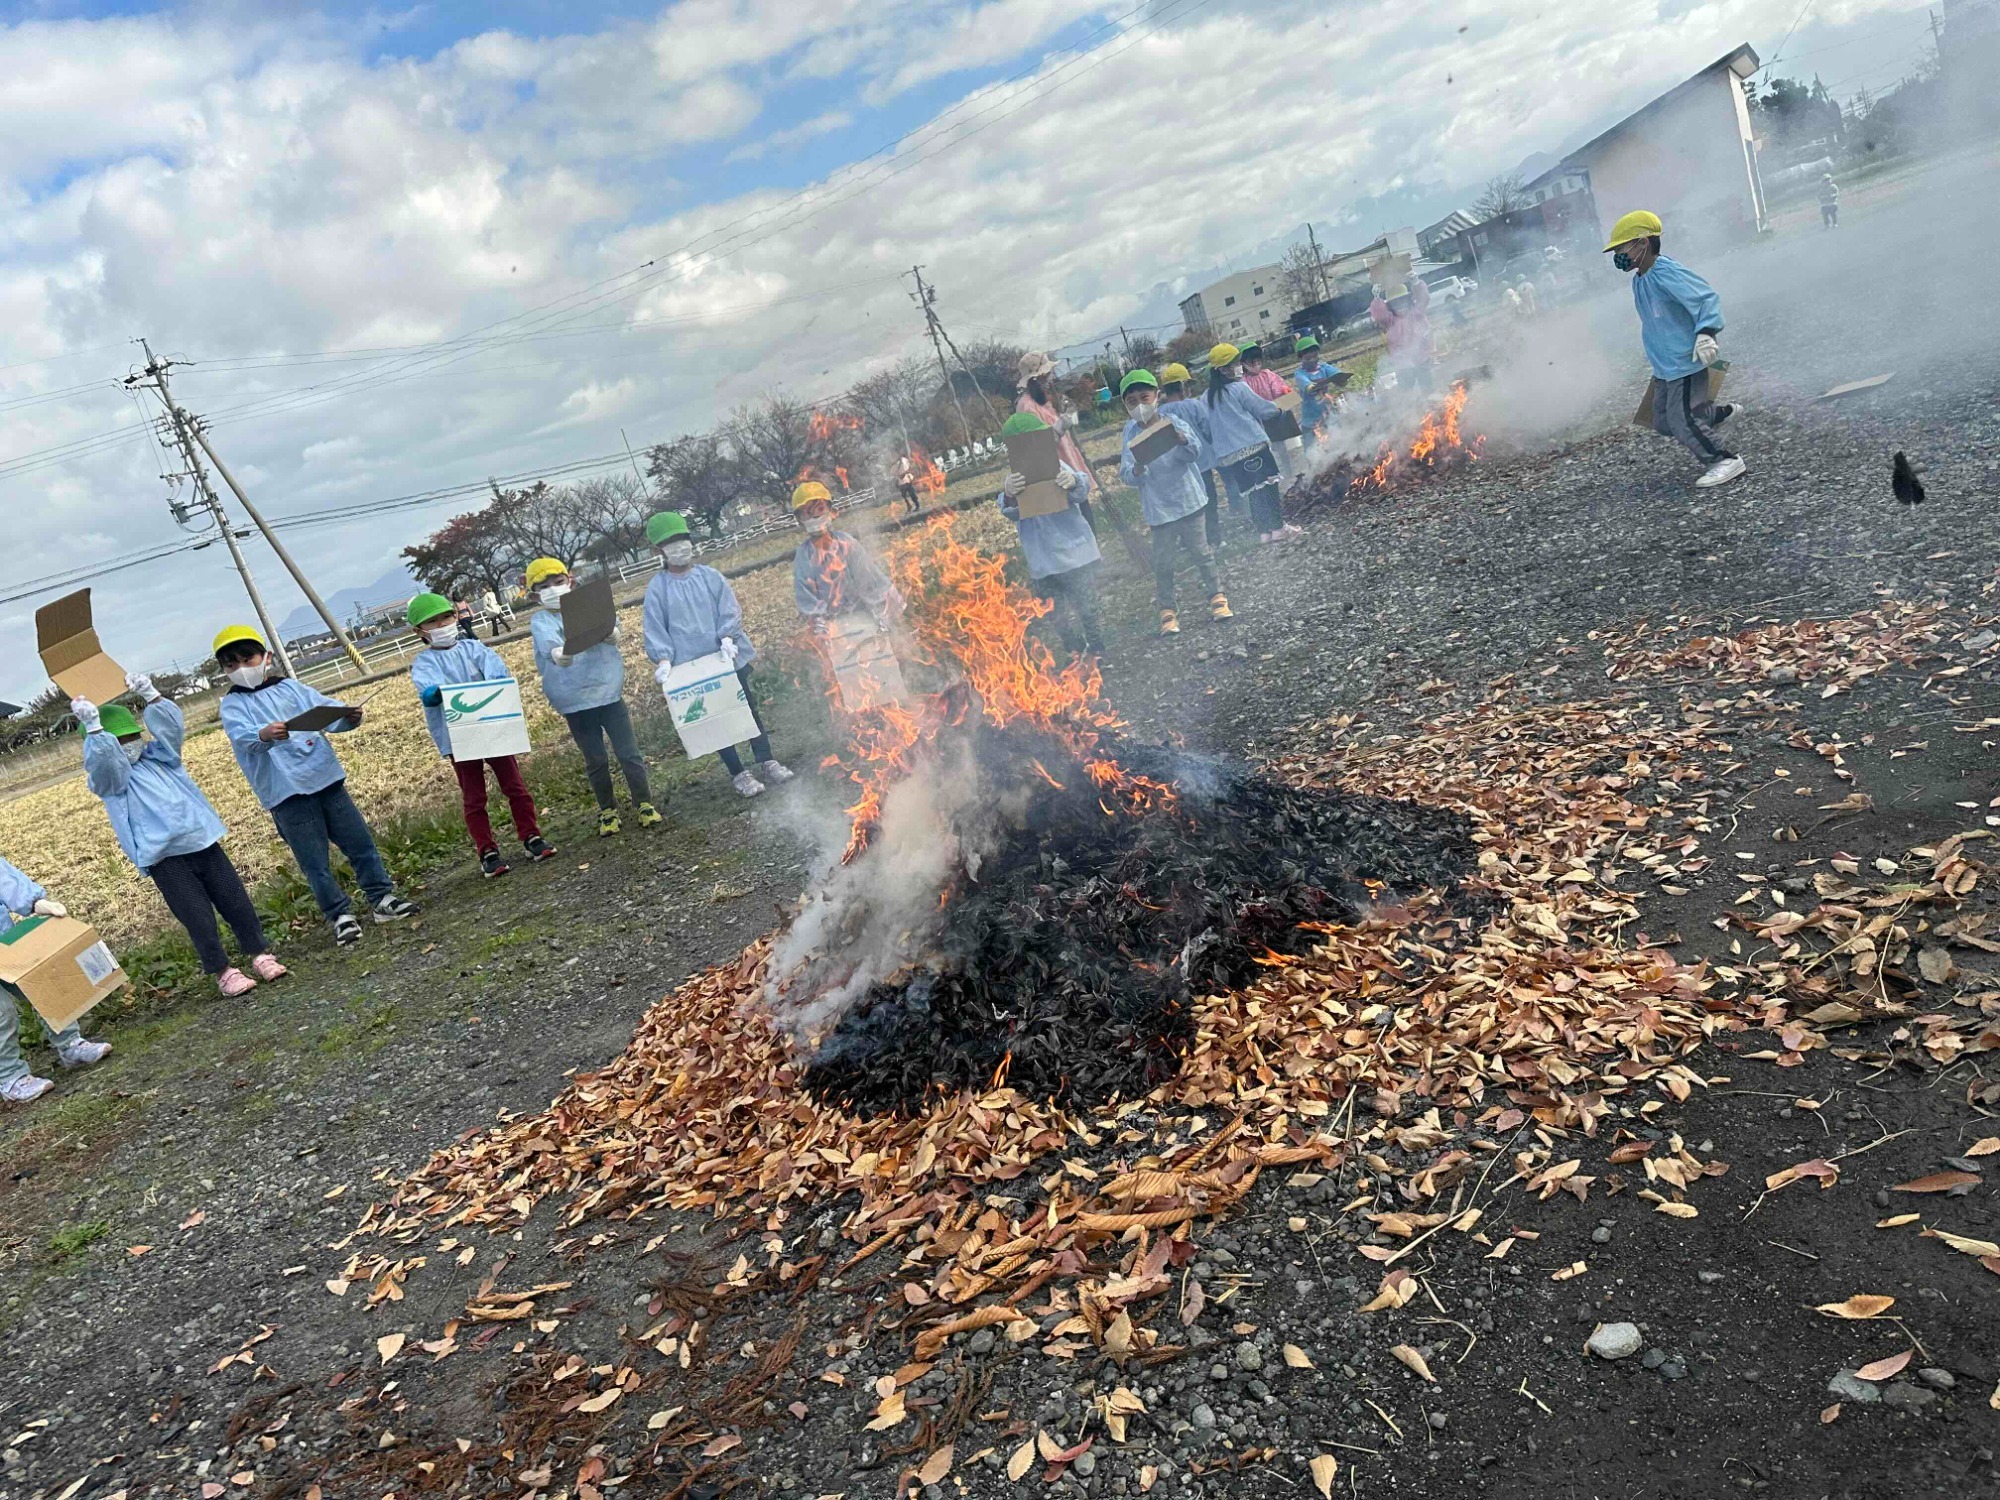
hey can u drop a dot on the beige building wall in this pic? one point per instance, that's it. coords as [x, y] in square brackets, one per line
[1688, 159]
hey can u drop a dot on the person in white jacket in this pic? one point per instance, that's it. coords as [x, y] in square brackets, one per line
[22, 899]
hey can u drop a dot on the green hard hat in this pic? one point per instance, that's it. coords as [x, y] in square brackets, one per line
[429, 607]
[1020, 422]
[664, 526]
[117, 720]
[1138, 377]
[1306, 341]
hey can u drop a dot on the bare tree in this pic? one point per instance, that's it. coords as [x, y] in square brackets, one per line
[1503, 195]
[546, 521]
[895, 404]
[1302, 278]
[616, 507]
[1144, 351]
[697, 476]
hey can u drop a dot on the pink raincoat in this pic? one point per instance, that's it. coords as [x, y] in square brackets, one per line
[1267, 383]
[1067, 448]
[1410, 340]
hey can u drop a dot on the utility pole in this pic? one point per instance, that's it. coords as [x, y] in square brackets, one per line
[1319, 266]
[924, 296]
[188, 432]
[1126, 339]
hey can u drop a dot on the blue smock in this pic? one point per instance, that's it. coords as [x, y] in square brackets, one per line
[1060, 542]
[1236, 421]
[838, 579]
[592, 679]
[687, 615]
[18, 895]
[1170, 486]
[1314, 409]
[1674, 305]
[1193, 411]
[465, 660]
[291, 767]
[156, 810]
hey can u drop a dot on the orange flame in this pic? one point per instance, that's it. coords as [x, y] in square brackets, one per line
[1440, 438]
[926, 475]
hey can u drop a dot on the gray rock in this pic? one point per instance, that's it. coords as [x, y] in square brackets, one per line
[1781, 673]
[1980, 640]
[1850, 1387]
[1615, 1341]
[1437, 1421]
[1906, 1397]
[1084, 1464]
[1203, 1416]
[1600, 1236]
[1709, 1278]
[1936, 1379]
[982, 1341]
[1652, 1359]
[1673, 1369]
[1249, 1357]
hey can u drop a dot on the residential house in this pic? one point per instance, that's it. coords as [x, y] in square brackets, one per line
[1244, 305]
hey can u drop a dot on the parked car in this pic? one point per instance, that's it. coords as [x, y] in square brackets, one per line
[1451, 288]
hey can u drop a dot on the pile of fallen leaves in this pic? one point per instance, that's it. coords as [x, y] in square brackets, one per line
[1832, 654]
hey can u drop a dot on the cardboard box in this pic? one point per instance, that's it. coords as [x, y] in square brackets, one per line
[483, 720]
[866, 673]
[75, 661]
[588, 614]
[1155, 441]
[1033, 455]
[1643, 417]
[709, 707]
[61, 965]
[1285, 425]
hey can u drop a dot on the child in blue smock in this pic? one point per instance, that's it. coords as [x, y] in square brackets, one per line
[1241, 448]
[1059, 548]
[1170, 496]
[588, 689]
[20, 899]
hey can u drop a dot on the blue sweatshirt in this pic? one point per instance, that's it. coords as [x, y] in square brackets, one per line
[1236, 422]
[18, 895]
[1316, 405]
[1170, 486]
[1674, 305]
[155, 808]
[1060, 542]
[687, 615]
[592, 679]
[291, 767]
[465, 660]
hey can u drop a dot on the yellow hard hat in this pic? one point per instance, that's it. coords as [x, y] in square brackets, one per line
[808, 492]
[1223, 354]
[1174, 375]
[542, 569]
[1633, 226]
[230, 635]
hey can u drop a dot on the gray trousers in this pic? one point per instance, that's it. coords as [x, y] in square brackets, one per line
[1168, 541]
[1682, 412]
[12, 1065]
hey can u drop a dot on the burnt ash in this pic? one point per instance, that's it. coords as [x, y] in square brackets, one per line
[1073, 957]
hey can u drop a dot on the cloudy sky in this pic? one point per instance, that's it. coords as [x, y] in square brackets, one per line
[407, 248]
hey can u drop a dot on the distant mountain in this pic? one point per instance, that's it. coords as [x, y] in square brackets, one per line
[397, 583]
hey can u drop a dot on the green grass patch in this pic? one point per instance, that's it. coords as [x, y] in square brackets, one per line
[68, 1243]
[365, 1031]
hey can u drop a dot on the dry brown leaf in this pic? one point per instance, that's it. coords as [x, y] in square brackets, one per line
[1149, 1475]
[1397, 1288]
[1896, 1221]
[1860, 1305]
[889, 1413]
[390, 1345]
[1882, 1369]
[1994, 1399]
[1296, 1357]
[601, 1400]
[1819, 1167]
[1324, 1468]
[1984, 1146]
[1678, 1210]
[1935, 965]
[1938, 1182]
[1829, 1414]
[1021, 1460]
[1962, 1242]
[1118, 1336]
[719, 1446]
[1415, 1361]
[1047, 1446]
[936, 1466]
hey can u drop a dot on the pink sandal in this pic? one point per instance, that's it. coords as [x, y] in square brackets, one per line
[234, 982]
[266, 966]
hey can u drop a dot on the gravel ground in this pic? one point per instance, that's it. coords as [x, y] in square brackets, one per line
[240, 1145]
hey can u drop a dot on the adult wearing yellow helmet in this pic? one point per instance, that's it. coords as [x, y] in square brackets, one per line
[1679, 317]
[300, 781]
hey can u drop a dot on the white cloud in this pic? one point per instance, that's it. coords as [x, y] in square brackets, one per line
[793, 135]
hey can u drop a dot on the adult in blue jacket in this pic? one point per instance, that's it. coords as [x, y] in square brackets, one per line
[1236, 438]
[1679, 317]
[588, 689]
[1059, 549]
[21, 898]
[300, 781]
[690, 611]
[1170, 497]
[167, 829]
[451, 661]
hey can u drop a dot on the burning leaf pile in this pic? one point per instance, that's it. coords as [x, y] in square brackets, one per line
[1439, 446]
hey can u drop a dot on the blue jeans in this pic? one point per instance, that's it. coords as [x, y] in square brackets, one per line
[11, 1064]
[312, 821]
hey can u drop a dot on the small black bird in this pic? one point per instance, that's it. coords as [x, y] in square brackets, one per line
[1903, 480]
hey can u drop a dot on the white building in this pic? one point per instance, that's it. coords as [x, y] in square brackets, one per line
[1247, 305]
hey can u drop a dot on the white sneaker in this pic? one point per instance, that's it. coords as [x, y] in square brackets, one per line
[775, 773]
[747, 784]
[1722, 473]
[24, 1090]
[83, 1054]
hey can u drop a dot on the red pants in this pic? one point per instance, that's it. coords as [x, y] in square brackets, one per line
[472, 793]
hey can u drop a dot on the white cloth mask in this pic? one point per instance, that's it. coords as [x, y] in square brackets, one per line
[554, 592]
[249, 677]
[1145, 411]
[818, 525]
[441, 636]
[678, 553]
[133, 749]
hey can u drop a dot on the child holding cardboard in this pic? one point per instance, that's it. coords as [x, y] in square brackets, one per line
[1059, 548]
[691, 612]
[300, 781]
[450, 662]
[1169, 495]
[21, 897]
[167, 828]
[1242, 449]
[587, 688]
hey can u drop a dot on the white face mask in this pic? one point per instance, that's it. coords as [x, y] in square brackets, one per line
[249, 677]
[554, 592]
[133, 749]
[678, 553]
[441, 636]
[818, 525]
[1145, 411]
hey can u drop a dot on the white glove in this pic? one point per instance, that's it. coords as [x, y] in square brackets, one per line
[1705, 349]
[86, 713]
[561, 658]
[1013, 484]
[617, 631]
[140, 683]
[1069, 479]
[729, 650]
[662, 670]
[44, 907]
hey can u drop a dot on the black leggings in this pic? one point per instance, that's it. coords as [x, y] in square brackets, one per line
[197, 886]
[760, 748]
